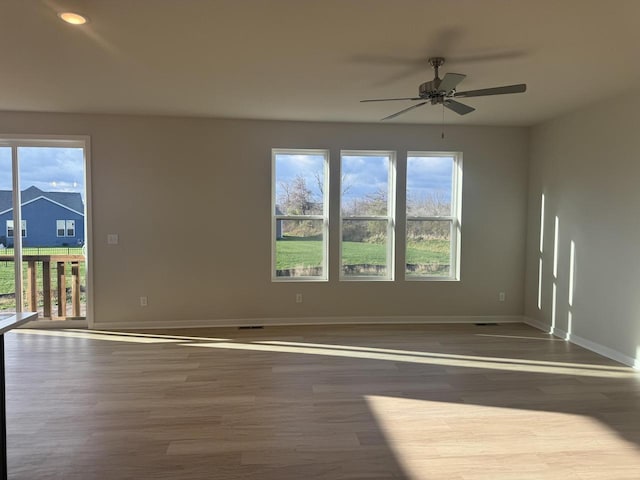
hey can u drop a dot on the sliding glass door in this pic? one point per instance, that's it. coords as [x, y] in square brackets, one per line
[43, 252]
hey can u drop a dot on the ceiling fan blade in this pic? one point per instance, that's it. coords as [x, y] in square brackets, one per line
[405, 110]
[389, 99]
[451, 81]
[522, 87]
[459, 108]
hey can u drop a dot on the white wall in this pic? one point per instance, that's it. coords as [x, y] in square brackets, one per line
[587, 164]
[190, 200]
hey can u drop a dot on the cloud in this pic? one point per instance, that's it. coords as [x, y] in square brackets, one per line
[289, 166]
[428, 175]
[364, 175]
[54, 169]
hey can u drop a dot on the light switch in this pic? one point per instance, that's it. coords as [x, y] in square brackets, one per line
[112, 239]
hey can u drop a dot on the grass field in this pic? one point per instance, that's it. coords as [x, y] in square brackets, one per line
[292, 252]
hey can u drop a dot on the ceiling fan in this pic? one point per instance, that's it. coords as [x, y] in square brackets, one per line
[442, 91]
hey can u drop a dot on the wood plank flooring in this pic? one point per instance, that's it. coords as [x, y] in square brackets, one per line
[427, 402]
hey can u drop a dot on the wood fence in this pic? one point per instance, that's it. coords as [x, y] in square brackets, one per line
[60, 261]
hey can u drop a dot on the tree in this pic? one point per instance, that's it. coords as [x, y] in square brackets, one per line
[374, 231]
[434, 204]
[345, 183]
[296, 198]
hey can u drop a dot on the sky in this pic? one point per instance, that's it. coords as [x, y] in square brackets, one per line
[364, 175]
[56, 169]
[51, 169]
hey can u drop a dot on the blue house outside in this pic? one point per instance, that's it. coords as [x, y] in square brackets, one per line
[49, 219]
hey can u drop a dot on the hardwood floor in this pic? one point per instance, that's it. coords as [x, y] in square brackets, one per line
[431, 402]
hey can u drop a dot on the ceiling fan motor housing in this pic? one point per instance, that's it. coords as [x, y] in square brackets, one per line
[428, 89]
[431, 91]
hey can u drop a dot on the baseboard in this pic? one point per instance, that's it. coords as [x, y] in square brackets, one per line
[606, 351]
[535, 323]
[584, 343]
[286, 321]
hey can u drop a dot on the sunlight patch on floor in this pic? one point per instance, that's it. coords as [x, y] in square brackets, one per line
[149, 335]
[89, 335]
[460, 361]
[446, 355]
[474, 441]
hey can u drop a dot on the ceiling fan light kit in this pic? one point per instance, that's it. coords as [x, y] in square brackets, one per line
[442, 91]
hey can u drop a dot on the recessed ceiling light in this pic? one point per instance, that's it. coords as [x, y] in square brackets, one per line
[73, 18]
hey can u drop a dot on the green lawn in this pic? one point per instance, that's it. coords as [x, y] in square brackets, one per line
[292, 252]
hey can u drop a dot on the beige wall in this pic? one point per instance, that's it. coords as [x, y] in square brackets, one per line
[190, 200]
[588, 166]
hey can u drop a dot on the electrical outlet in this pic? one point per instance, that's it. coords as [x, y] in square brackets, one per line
[298, 298]
[501, 296]
[144, 301]
[112, 239]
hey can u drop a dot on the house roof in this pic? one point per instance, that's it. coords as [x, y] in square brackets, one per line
[71, 200]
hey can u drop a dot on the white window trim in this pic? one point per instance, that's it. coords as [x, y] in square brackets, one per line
[390, 218]
[455, 218]
[64, 229]
[13, 225]
[324, 217]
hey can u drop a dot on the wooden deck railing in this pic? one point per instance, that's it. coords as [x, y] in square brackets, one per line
[60, 261]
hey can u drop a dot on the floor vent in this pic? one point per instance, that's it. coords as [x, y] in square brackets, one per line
[250, 327]
[485, 324]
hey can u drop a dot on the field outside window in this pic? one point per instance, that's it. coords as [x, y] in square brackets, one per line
[367, 211]
[433, 209]
[299, 214]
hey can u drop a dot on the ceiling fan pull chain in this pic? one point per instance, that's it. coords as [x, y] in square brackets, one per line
[442, 135]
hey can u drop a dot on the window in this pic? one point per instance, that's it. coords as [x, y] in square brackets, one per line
[300, 197]
[434, 181]
[10, 228]
[66, 228]
[367, 215]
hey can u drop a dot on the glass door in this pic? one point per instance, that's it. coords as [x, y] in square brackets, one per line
[50, 246]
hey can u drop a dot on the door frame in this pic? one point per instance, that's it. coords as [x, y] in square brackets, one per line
[72, 141]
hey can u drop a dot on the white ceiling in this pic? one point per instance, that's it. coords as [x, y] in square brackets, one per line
[315, 59]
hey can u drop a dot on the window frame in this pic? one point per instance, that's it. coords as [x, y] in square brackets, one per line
[66, 229]
[390, 217]
[455, 218]
[23, 230]
[278, 217]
